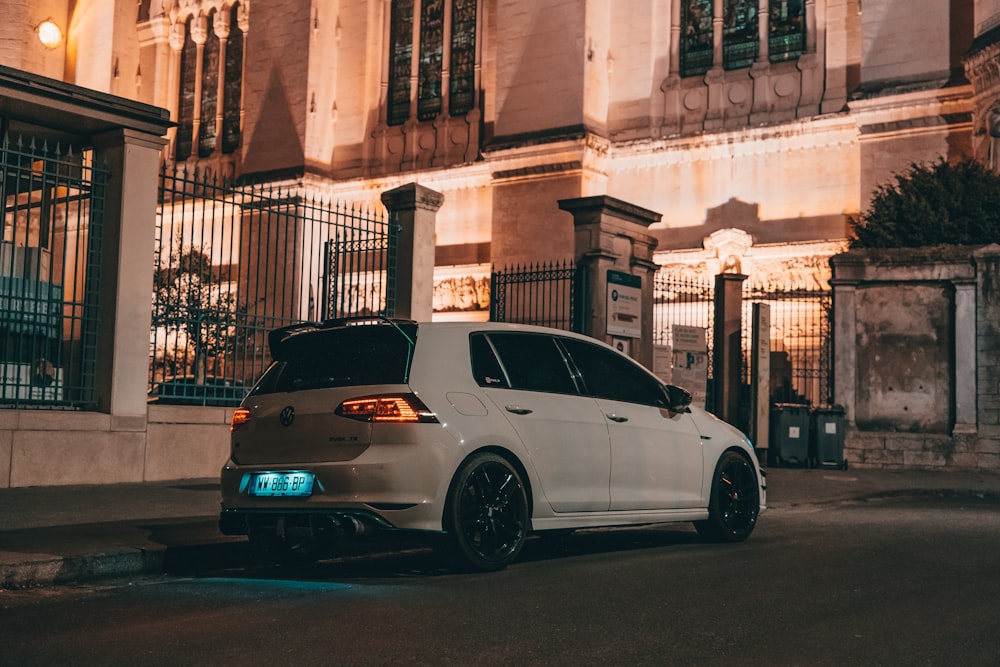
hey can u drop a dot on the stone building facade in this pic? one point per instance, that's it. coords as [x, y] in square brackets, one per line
[752, 130]
[796, 108]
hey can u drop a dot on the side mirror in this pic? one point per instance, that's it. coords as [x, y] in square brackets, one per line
[678, 399]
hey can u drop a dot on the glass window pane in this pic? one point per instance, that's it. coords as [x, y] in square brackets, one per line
[431, 59]
[463, 57]
[485, 365]
[612, 376]
[233, 86]
[696, 37]
[209, 91]
[185, 105]
[400, 56]
[533, 363]
[739, 34]
[787, 31]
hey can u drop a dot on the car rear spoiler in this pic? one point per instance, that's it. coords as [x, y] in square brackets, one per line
[277, 337]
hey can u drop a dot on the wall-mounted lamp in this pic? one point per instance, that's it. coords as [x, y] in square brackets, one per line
[49, 34]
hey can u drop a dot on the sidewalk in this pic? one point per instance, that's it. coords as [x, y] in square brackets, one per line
[60, 534]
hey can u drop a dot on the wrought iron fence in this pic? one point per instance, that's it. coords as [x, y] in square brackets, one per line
[52, 207]
[233, 262]
[545, 294]
[801, 343]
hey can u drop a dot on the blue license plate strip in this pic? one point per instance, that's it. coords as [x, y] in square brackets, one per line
[281, 484]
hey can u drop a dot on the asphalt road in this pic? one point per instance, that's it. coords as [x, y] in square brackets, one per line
[910, 580]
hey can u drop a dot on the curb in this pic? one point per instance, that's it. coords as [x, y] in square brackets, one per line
[133, 562]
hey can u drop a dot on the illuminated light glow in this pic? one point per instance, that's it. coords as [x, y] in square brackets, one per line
[49, 34]
[386, 409]
[240, 417]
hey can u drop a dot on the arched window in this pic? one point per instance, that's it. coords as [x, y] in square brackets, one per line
[185, 102]
[209, 92]
[232, 89]
[444, 32]
[210, 83]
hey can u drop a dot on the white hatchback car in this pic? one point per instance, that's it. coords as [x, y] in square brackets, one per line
[481, 432]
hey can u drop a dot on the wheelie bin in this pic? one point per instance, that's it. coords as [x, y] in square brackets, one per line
[828, 437]
[790, 431]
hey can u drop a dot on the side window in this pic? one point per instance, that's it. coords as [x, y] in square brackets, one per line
[533, 362]
[485, 366]
[607, 374]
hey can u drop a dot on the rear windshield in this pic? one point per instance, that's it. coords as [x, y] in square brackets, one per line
[343, 357]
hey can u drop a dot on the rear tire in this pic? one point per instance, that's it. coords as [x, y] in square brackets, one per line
[734, 502]
[486, 514]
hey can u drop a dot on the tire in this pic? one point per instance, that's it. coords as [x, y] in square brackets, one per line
[734, 502]
[486, 514]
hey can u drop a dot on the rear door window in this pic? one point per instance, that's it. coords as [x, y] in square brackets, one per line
[342, 357]
[532, 362]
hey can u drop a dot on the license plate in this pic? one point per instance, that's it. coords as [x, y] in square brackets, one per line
[281, 484]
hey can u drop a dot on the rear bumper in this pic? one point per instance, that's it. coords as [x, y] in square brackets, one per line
[343, 522]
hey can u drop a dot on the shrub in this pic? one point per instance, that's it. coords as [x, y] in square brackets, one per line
[941, 203]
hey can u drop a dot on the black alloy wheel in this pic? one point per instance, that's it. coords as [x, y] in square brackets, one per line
[486, 514]
[735, 500]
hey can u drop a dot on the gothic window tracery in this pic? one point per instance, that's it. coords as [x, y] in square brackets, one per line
[740, 33]
[441, 36]
[209, 48]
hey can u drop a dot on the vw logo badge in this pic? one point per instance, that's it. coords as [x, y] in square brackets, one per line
[287, 416]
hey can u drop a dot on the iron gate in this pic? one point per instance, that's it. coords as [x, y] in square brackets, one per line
[233, 262]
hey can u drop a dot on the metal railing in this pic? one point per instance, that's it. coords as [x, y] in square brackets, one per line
[801, 343]
[233, 262]
[800, 335]
[546, 294]
[52, 206]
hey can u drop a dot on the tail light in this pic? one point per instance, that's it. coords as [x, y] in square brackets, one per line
[240, 417]
[387, 408]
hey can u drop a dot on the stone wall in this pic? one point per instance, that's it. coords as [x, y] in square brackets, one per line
[916, 352]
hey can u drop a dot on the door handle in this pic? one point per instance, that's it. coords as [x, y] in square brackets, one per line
[517, 409]
[616, 418]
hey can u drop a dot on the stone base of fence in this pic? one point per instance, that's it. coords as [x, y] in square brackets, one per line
[928, 451]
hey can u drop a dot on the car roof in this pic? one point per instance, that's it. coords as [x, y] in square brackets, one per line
[277, 337]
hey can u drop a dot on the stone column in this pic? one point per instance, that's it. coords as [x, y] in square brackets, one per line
[414, 209]
[610, 234]
[126, 274]
[727, 346]
[965, 356]
[845, 353]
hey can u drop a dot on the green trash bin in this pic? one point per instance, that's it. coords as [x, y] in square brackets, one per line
[828, 437]
[789, 441]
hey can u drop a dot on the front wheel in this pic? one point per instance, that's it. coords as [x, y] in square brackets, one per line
[734, 502]
[486, 514]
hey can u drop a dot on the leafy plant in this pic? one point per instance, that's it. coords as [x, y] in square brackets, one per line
[941, 203]
[194, 304]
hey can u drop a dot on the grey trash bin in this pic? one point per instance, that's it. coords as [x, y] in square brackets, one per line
[789, 435]
[828, 437]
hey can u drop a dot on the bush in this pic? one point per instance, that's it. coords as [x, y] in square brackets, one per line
[941, 203]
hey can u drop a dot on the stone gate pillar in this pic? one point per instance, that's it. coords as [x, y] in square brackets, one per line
[610, 235]
[414, 208]
[727, 348]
